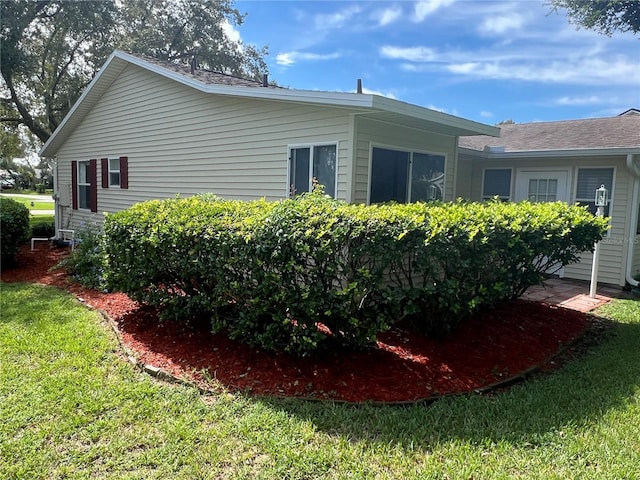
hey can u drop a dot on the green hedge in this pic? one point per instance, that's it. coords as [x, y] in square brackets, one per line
[299, 275]
[14, 229]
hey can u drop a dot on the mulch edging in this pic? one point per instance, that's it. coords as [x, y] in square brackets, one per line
[591, 336]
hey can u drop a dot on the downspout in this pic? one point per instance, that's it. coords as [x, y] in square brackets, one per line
[56, 197]
[634, 168]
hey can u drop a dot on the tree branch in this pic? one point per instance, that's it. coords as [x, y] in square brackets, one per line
[28, 120]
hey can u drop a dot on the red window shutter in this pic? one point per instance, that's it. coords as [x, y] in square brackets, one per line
[74, 185]
[93, 184]
[104, 167]
[124, 172]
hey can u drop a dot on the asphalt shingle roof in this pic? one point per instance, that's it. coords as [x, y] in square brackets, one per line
[610, 132]
[205, 76]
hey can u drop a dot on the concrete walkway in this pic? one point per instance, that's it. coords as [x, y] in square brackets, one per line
[573, 294]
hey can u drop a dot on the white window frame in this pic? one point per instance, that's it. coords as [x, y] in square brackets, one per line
[111, 170]
[483, 197]
[311, 147]
[410, 151]
[83, 166]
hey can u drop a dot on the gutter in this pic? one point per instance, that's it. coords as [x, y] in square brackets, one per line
[634, 168]
[584, 152]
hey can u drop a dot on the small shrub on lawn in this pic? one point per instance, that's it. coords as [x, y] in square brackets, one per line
[14, 229]
[87, 260]
[303, 274]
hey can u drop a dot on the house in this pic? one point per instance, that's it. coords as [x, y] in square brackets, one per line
[146, 129]
[568, 161]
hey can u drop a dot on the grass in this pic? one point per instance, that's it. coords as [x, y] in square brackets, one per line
[71, 407]
[37, 205]
[35, 220]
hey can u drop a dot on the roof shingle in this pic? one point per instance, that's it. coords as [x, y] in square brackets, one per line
[208, 77]
[610, 132]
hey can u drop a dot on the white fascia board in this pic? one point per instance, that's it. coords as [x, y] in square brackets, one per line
[578, 152]
[410, 110]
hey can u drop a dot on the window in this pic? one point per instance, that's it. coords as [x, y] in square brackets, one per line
[114, 172]
[402, 176]
[84, 185]
[543, 189]
[309, 163]
[497, 182]
[84, 189]
[427, 177]
[589, 180]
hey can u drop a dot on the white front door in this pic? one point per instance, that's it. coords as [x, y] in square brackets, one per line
[543, 186]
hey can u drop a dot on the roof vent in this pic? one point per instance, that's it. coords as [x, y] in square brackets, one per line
[265, 80]
[359, 86]
[194, 64]
[494, 148]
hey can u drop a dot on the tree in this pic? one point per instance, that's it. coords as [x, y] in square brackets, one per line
[51, 49]
[604, 16]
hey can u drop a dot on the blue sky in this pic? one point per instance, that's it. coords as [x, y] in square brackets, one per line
[488, 61]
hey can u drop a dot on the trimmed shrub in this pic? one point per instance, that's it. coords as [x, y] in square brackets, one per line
[43, 230]
[304, 274]
[14, 229]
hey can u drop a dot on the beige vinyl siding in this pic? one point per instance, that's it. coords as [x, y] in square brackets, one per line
[370, 132]
[182, 141]
[464, 177]
[613, 248]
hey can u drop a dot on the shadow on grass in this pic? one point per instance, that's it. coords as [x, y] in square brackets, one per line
[604, 378]
[32, 304]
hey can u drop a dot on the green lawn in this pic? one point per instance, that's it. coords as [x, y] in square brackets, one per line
[71, 407]
[36, 204]
[41, 220]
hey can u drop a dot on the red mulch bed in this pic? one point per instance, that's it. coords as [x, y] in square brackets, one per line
[491, 347]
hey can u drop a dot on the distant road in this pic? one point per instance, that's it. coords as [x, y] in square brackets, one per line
[35, 198]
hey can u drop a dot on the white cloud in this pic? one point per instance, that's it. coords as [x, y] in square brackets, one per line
[378, 92]
[538, 63]
[485, 114]
[497, 25]
[289, 58]
[338, 19]
[387, 16]
[424, 8]
[442, 110]
[578, 71]
[231, 32]
[411, 54]
[588, 100]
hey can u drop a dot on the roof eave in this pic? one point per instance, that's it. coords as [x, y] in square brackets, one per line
[119, 60]
[576, 152]
[464, 126]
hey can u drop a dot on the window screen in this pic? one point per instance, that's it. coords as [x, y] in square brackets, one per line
[497, 182]
[589, 180]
